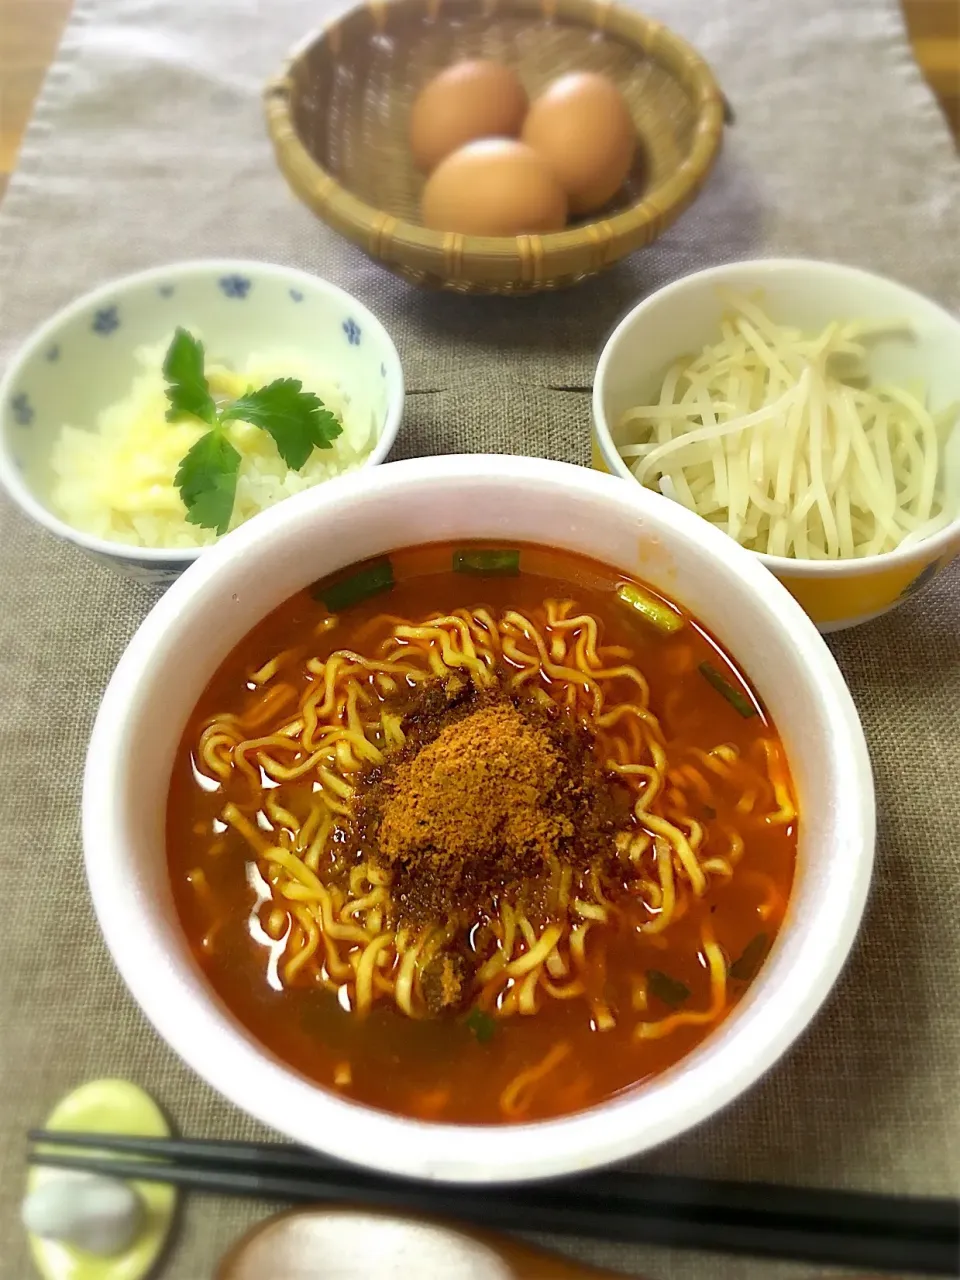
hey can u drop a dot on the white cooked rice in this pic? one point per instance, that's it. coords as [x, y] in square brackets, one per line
[116, 480]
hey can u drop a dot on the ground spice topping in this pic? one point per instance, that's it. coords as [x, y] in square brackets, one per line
[490, 796]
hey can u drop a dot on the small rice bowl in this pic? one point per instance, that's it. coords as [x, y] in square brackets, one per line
[116, 480]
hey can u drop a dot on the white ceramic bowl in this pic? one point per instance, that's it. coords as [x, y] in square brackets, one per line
[82, 360]
[227, 591]
[682, 317]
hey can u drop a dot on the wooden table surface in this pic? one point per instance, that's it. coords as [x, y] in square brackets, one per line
[30, 30]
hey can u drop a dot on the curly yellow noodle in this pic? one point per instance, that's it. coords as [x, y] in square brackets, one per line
[393, 736]
[652, 893]
[278, 815]
[506, 1006]
[516, 1098]
[681, 846]
[508, 924]
[365, 969]
[483, 628]
[450, 657]
[308, 830]
[735, 852]
[694, 831]
[270, 669]
[266, 707]
[664, 862]
[566, 881]
[537, 954]
[339, 786]
[589, 910]
[376, 897]
[318, 844]
[569, 676]
[277, 923]
[718, 867]
[603, 1019]
[746, 802]
[527, 1003]
[578, 941]
[717, 966]
[403, 988]
[336, 966]
[308, 943]
[772, 903]
[358, 880]
[492, 967]
[646, 717]
[312, 889]
[593, 879]
[692, 777]
[571, 991]
[776, 771]
[675, 806]
[251, 746]
[587, 644]
[242, 824]
[719, 764]
[210, 750]
[652, 778]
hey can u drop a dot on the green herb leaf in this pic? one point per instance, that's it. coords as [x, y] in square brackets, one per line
[657, 612]
[754, 953]
[670, 990]
[298, 420]
[207, 480]
[737, 699]
[501, 564]
[187, 388]
[482, 1025]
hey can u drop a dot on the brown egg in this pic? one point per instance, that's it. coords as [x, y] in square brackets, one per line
[495, 187]
[582, 126]
[469, 100]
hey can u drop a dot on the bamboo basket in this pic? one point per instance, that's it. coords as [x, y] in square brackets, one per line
[337, 115]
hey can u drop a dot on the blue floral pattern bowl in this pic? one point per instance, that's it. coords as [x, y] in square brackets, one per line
[82, 360]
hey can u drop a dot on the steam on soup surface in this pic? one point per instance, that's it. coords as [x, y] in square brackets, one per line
[480, 835]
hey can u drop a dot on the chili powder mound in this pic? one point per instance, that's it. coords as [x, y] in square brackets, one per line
[488, 796]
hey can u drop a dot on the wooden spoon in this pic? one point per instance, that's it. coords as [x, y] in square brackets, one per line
[362, 1244]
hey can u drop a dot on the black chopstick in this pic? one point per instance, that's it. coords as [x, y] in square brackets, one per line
[213, 1153]
[679, 1196]
[834, 1228]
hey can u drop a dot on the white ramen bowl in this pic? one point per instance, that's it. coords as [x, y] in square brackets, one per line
[226, 592]
[84, 359]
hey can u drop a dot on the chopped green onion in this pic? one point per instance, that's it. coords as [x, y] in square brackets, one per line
[739, 701]
[482, 1025]
[504, 564]
[369, 580]
[670, 990]
[652, 610]
[754, 953]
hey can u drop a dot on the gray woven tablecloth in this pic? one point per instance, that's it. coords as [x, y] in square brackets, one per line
[148, 146]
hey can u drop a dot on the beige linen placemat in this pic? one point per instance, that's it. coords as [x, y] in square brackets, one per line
[148, 146]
